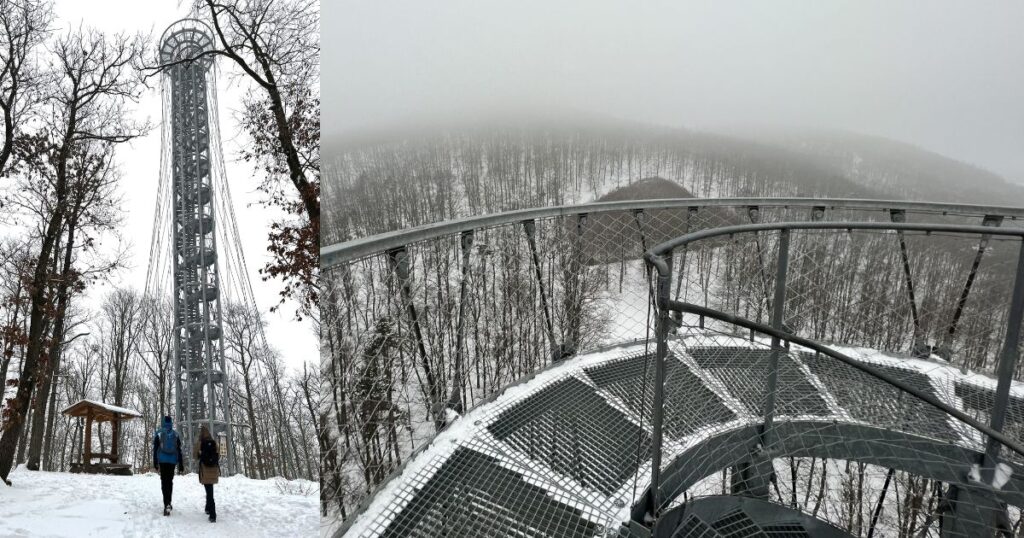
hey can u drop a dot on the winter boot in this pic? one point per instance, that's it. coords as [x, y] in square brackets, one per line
[167, 510]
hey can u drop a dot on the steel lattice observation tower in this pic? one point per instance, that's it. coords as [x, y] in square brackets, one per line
[196, 260]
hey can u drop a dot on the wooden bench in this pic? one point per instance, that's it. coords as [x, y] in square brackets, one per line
[121, 469]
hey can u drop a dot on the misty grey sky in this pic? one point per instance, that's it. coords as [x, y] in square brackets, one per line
[947, 76]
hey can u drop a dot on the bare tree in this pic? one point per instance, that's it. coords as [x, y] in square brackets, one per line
[309, 390]
[276, 383]
[121, 324]
[15, 258]
[156, 347]
[276, 44]
[244, 349]
[92, 209]
[24, 25]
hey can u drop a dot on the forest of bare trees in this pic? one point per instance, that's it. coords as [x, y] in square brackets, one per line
[120, 354]
[416, 179]
[375, 186]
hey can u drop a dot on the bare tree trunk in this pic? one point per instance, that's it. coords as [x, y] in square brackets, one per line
[250, 411]
[51, 416]
[56, 345]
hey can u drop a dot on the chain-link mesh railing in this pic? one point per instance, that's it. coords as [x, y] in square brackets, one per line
[423, 326]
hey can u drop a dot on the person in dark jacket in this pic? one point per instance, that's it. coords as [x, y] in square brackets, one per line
[206, 453]
[167, 456]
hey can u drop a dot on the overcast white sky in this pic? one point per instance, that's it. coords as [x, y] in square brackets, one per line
[945, 75]
[140, 163]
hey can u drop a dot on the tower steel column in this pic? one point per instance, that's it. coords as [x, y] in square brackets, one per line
[201, 395]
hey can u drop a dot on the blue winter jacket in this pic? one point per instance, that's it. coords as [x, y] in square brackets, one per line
[159, 455]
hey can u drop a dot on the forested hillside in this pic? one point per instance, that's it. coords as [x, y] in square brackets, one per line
[900, 170]
[385, 181]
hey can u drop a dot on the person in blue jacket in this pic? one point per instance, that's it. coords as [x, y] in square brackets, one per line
[167, 456]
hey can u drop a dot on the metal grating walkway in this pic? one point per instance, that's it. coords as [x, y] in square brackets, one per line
[473, 495]
[870, 401]
[689, 404]
[744, 371]
[573, 430]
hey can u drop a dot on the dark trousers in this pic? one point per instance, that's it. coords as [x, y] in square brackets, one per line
[167, 481]
[211, 507]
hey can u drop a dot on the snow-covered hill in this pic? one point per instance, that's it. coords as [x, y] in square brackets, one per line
[44, 504]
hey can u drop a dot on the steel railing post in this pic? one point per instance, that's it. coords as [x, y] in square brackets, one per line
[579, 274]
[455, 399]
[778, 310]
[398, 259]
[658, 403]
[947, 342]
[754, 213]
[530, 227]
[917, 345]
[1007, 360]
[690, 213]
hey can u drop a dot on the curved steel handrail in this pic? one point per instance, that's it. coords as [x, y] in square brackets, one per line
[339, 253]
[655, 254]
[932, 459]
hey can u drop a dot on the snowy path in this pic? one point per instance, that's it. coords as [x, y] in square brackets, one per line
[62, 504]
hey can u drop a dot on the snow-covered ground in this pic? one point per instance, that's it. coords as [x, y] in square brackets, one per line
[43, 504]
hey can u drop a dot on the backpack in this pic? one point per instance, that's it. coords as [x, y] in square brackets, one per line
[169, 443]
[208, 454]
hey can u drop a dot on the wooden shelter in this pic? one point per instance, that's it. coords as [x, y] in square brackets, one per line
[94, 411]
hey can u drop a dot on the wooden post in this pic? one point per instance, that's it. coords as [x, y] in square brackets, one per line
[115, 428]
[87, 453]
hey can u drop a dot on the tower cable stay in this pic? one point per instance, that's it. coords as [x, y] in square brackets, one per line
[237, 274]
[238, 286]
[236, 255]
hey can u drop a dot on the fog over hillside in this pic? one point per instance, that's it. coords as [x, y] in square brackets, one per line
[390, 178]
[943, 76]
